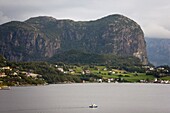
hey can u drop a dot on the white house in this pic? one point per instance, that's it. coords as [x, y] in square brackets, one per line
[2, 75]
[33, 75]
[60, 69]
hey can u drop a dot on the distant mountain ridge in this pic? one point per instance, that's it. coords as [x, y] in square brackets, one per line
[158, 51]
[40, 38]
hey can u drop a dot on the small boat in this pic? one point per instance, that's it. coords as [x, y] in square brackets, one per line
[93, 106]
[5, 88]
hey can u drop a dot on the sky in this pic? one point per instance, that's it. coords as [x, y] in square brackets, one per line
[152, 15]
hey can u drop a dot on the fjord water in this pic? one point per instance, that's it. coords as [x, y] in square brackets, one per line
[75, 98]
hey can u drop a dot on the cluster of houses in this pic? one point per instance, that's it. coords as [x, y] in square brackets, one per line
[156, 80]
[88, 72]
[160, 71]
[69, 71]
[8, 71]
[3, 71]
[72, 71]
[161, 81]
[15, 73]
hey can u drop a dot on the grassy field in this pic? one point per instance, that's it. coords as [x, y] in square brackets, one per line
[131, 77]
[116, 74]
[166, 78]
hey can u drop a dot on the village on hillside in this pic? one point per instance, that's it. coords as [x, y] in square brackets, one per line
[17, 77]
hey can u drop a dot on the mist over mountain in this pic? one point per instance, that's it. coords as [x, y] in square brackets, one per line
[40, 38]
[158, 51]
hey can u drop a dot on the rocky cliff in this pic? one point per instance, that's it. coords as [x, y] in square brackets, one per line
[158, 51]
[40, 38]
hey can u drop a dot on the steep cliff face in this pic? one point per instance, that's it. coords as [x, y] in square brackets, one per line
[158, 51]
[22, 42]
[41, 37]
[121, 36]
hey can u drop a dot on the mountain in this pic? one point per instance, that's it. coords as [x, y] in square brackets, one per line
[73, 56]
[158, 51]
[41, 38]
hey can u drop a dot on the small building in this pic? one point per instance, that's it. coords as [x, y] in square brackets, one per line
[33, 75]
[105, 69]
[87, 72]
[6, 68]
[111, 72]
[156, 80]
[100, 80]
[82, 72]
[60, 69]
[2, 75]
[151, 69]
[14, 74]
[71, 71]
[160, 68]
[108, 80]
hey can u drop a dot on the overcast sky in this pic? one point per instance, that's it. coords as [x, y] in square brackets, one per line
[152, 15]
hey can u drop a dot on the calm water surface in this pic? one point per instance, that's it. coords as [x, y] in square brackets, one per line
[75, 98]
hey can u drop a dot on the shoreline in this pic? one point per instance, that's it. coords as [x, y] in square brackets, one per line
[29, 85]
[90, 83]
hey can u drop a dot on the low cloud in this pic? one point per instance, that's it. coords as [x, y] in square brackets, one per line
[156, 31]
[4, 18]
[152, 15]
